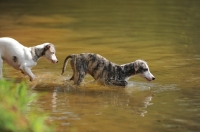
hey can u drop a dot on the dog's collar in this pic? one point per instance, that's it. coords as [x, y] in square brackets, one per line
[36, 56]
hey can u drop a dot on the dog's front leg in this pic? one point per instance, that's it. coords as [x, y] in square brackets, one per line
[118, 82]
[26, 69]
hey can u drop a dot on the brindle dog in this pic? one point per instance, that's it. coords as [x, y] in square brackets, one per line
[104, 71]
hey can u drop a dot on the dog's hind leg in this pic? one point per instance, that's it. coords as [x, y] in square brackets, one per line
[72, 78]
[1, 67]
[72, 66]
[79, 75]
[79, 78]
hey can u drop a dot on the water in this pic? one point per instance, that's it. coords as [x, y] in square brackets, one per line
[164, 33]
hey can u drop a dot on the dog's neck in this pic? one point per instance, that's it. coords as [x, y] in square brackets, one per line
[128, 69]
[37, 52]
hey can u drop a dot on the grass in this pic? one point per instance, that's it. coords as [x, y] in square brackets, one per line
[13, 104]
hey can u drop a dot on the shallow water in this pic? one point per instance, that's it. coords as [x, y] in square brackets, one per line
[163, 33]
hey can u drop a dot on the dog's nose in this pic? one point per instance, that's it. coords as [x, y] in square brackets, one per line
[153, 78]
[57, 61]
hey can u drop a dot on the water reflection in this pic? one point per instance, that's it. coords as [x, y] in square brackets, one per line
[102, 97]
[69, 104]
[54, 98]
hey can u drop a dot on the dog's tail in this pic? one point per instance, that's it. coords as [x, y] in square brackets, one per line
[65, 63]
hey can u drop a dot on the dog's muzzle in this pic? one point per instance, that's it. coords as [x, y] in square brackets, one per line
[54, 61]
[148, 76]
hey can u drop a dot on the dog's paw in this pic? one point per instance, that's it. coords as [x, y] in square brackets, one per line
[21, 71]
[32, 78]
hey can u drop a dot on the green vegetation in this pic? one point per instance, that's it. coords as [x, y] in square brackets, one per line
[13, 104]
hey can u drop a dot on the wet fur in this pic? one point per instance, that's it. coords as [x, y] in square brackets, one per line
[102, 70]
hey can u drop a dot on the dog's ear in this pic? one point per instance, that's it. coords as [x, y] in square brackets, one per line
[47, 47]
[136, 65]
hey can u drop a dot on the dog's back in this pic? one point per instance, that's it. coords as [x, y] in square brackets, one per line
[11, 51]
[9, 45]
[94, 64]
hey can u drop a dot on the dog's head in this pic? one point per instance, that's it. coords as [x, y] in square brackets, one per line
[49, 52]
[142, 69]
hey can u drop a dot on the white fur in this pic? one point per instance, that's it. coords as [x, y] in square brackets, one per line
[147, 74]
[10, 47]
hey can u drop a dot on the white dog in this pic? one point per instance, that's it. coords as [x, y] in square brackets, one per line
[24, 58]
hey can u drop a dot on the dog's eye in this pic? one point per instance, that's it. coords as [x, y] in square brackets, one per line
[145, 69]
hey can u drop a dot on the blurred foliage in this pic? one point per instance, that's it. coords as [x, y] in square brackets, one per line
[13, 104]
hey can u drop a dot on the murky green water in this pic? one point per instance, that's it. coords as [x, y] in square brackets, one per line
[164, 33]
